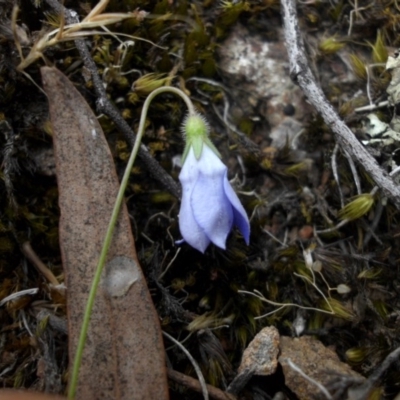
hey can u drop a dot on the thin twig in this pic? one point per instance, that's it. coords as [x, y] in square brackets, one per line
[202, 381]
[334, 228]
[21, 293]
[30, 254]
[377, 217]
[169, 264]
[194, 384]
[354, 172]
[367, 70]
[106, 107]
[336, 173]
[308, 378]
[371, 107]
[301, 73]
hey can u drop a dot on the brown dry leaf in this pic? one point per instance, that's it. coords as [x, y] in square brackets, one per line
[9, 394]
[124, 354]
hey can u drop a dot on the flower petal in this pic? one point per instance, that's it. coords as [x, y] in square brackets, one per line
[189, 172]
[190, 229]
[211, 208]
[240, 218]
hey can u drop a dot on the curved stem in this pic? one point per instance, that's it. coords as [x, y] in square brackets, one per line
[110, 230]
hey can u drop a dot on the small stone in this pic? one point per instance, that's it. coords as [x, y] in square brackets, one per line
[315, 360]
[250, 64]
[261, 355]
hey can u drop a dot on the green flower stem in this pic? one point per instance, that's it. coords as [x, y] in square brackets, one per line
[110, 230]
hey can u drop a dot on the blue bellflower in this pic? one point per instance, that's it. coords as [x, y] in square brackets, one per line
[210, 207]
